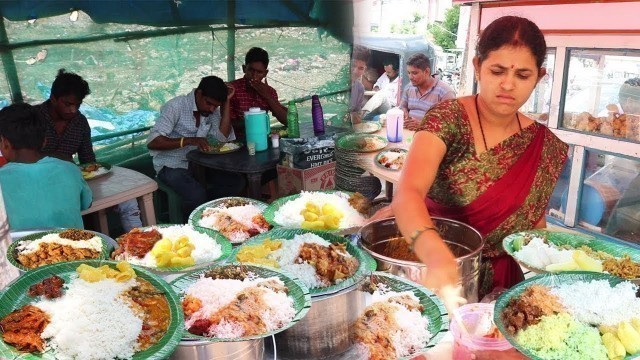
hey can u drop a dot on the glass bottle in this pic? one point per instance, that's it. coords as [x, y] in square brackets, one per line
[293, 126]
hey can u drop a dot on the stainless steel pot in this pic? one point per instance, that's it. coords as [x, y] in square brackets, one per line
[324, 331]
[382, 240]
[205, 350]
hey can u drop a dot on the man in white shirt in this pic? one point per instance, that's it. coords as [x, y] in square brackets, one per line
[184, 124]
[387, 88]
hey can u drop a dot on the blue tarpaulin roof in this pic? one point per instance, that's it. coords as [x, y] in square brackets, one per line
[336, 16]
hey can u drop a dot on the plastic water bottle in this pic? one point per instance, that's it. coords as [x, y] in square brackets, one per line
[293, 126]
[317, 116]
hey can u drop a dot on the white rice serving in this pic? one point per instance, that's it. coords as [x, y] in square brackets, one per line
[414, 328]
[215, 294]
[242, 214]
[92, 321]
[27, 247]
[539, 254]
[206, 249]
[597, 303]
[286, 256]
[289, 214]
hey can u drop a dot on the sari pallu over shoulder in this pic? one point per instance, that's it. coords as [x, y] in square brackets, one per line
[501, 199]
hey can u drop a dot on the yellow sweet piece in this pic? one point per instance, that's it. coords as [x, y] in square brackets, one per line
[313, 225]
[326, 218]
[329, 209]
[608, 329]
[312, 207]
[587, 263]
[178, 261]
[184, 252]
[162, 245]
[92, 274]
[615, 349]
[181, 242]
[330, 221]
[309, 216]
[629, 337]
[258, 254]
[565, 266]
[635, 322]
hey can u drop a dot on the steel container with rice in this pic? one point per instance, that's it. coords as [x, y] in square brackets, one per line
[383, 241]
[324, 331]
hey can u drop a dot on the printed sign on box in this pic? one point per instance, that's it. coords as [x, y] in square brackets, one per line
[292, 181]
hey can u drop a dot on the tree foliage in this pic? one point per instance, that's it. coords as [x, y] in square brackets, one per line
[444, 34]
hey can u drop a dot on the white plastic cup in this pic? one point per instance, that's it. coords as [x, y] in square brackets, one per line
[251, 146]
[395, 125]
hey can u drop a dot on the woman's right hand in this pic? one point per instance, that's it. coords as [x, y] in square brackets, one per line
[383, 213]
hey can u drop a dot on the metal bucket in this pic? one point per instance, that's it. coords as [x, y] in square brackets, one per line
[324, 332]
[205, 350]
[382, 240]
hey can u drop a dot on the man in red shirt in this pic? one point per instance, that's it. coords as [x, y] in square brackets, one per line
[251, 91]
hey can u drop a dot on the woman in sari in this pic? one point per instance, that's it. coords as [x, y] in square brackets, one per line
[478, 160]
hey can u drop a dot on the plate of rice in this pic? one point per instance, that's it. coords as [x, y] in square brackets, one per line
[367, 127]
[172, 248]
[95, 170]
[50, 247]
[549, 251]
[236, 218]
[217, 148]
[333, 211]
[391, 159]
[361, 142]
[324, 262]
[95, 309]
[572, 315]
[400, 320]
[237, 302]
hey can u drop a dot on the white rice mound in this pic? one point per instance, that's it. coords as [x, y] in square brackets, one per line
[539, 254]
[290, 250]
[414, 328]
[217, 293]
[27, 247]
[206, 249]
[597, 303]
[91, 321]
[289, 214]
[242, 214]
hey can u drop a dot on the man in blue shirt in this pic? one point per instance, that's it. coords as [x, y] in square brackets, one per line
[38, 191]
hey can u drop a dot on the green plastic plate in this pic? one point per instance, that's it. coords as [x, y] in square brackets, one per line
[434, 309]
[367, 127]
[270, 212]
[297, 291]
[353, 142]
[215, 147]
[107, 248]
[90, 176]
[551, 280]
[367, 264]
[574, 240]
[212, 234]
[16, 296]
[196, 214]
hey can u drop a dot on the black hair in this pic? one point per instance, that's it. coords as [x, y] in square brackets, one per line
[257, 54]
[213, 87]
[421, 61]
[22, 126]
[393, 61]
[512, 31]
[67, 83]
[361, 53]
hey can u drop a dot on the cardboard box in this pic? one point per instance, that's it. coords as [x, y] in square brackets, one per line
[301, 153]
[292, 181]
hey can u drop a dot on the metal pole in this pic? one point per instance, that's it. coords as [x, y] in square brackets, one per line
[231, 40]
[9, 65]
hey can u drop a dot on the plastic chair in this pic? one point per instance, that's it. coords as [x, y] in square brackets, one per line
[168, 202]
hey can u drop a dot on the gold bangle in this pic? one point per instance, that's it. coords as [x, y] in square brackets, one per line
[416, 234]
[181, 141]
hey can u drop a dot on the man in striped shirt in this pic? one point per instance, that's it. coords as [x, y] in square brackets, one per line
[424, 92]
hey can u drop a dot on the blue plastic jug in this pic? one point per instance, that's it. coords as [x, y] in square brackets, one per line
[257, 127]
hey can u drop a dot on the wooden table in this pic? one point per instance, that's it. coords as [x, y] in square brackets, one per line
[391, 177]
[120, 185]
[238, 162]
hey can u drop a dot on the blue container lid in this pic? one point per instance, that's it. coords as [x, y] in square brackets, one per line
[592, 206]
